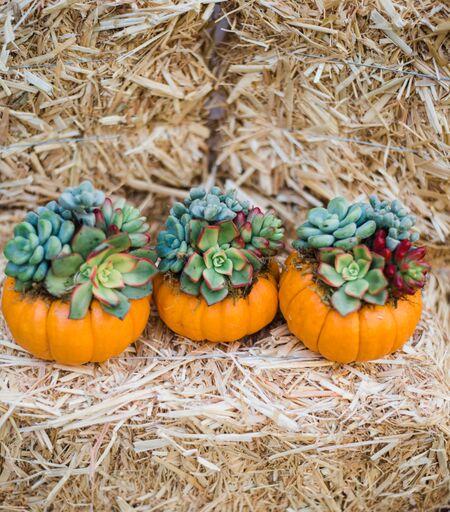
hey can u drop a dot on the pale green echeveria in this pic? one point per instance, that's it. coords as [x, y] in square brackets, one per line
[356, 276]
[120, 216]
[341, 224]
[37, 241]
[394, 217]
[212, 206]
[78, 203]
[217, 266]
[103, 269]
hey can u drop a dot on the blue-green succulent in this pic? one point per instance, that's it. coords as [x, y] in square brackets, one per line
[78, 203]
[173, 243]
[341, 224]
[395, 218]
[38, 240]
[212, 206]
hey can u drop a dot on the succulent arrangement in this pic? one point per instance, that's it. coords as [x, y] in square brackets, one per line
[84, 246]
[215, 243]
[365, 251]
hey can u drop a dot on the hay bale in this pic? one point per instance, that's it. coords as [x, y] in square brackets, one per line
[261, 425]
[109, 91]
[334, 97]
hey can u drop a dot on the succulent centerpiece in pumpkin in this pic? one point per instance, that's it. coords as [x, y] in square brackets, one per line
[352, 288]
[79, 279]
[217, 280]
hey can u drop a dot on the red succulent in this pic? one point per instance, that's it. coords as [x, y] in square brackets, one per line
[405, 267]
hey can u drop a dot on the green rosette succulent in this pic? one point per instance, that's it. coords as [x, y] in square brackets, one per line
[393, 217]
[102, 268]
[217, 265]
[78, 203]
[341, 224]
[39, 239]
[120, 216]
[213, 206]
[355, 277]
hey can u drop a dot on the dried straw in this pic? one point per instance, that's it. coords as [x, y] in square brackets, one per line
[132, 94]
[114, 90]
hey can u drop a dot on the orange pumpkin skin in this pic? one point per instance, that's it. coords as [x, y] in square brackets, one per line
[370, 333]
[44, 328]
[228, 320]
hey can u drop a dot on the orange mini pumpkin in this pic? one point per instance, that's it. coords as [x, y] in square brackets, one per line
[227, 320]
[370, 333]
[43, 327]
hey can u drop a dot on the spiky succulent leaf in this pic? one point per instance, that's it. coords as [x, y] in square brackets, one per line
[405, 268]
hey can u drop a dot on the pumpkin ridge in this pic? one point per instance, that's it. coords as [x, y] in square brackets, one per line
[391, 349]
[321, 329]
[92, 332]
[47, 333]
[249, 314]
[296, 295]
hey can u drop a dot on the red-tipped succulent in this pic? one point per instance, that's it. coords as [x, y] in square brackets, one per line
[406, 268]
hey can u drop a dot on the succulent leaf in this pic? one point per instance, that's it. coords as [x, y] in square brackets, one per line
[87, 239]
[68, 265]
[80, 301]
[188, 286]
[344, 303]
[240, 278]
[212, 296]
[209, 237]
